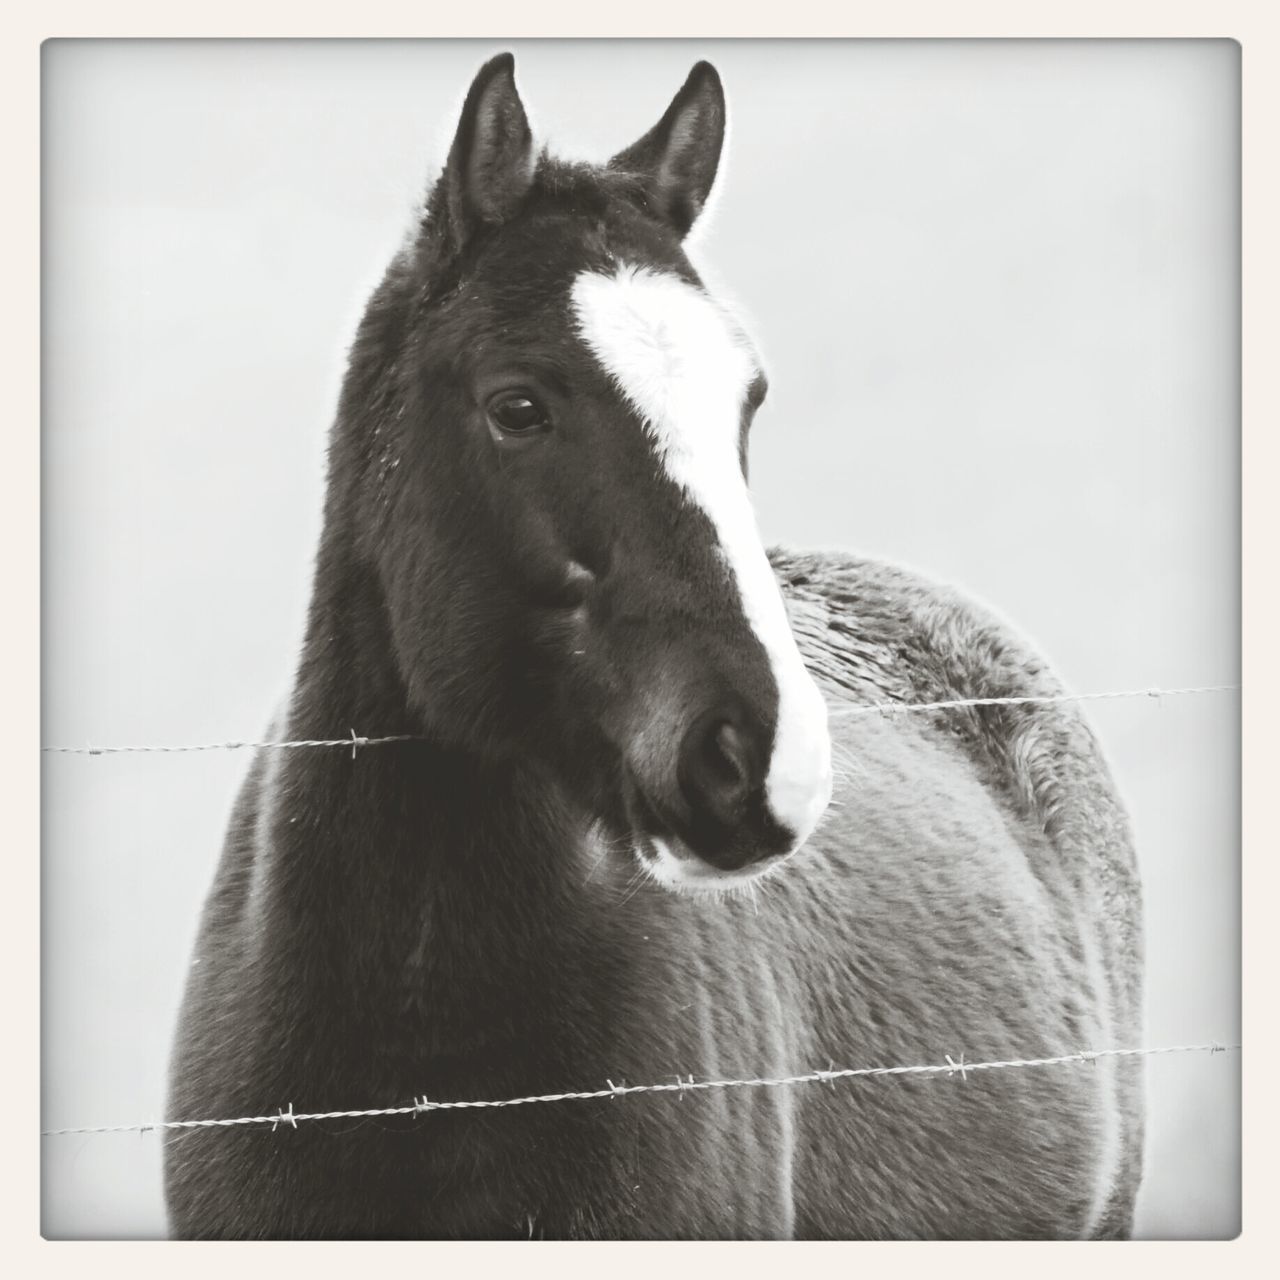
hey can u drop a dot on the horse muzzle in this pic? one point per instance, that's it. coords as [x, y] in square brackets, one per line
[708, 815]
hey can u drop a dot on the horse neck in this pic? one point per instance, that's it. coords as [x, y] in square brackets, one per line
[448, 884]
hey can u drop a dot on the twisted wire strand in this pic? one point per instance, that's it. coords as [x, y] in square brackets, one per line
[887, 708]
[354, 742]
[950, 1067]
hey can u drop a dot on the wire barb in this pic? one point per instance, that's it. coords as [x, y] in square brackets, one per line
[949, 1067]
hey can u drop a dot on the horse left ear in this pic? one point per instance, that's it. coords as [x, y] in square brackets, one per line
[679, 156]
[490, 166]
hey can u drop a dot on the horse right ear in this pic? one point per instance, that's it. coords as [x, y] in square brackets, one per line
[490, 165]
[678, 158]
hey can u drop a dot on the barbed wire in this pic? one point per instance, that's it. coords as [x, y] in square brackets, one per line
[887, 708]
[355, 741]
[950, 1067]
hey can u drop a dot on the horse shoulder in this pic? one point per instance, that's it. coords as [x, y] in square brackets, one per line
[984, 858]
[876, 634]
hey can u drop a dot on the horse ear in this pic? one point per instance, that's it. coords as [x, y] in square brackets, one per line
[679, 156]
[490, 165]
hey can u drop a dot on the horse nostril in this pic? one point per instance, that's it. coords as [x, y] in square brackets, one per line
[716, 769]
[729, 755]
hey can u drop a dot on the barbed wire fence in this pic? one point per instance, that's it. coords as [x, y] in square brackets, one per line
[951, 1066]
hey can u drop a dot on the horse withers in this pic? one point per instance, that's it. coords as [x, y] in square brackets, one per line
[602, 849]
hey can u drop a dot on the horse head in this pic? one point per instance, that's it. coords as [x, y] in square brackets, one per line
[551, 414]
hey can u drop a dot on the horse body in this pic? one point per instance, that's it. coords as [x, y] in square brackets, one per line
[486, 910]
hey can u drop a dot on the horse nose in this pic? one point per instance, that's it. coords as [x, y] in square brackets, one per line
[715, 768]
[720, 768]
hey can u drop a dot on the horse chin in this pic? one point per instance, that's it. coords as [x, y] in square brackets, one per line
[679, 869]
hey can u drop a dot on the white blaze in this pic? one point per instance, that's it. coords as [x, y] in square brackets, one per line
[685, 367]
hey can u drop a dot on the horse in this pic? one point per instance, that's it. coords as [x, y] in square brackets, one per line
[600, 845]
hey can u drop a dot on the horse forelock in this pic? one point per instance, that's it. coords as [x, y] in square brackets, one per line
[589, 197]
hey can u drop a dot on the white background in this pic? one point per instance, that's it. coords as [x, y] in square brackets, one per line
[996, 288]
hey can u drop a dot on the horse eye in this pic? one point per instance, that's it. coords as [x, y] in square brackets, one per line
[518, 416]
